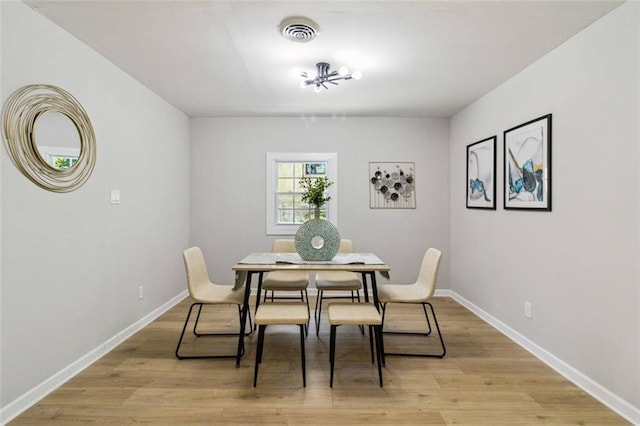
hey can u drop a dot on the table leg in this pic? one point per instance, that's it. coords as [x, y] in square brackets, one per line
[365, 287]
[260, 276]
[376, 302]
[243, 318]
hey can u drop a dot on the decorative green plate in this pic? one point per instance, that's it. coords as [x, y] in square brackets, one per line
[317, 239]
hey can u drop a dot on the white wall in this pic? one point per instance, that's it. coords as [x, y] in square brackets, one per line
[577, 265]
[71, 263]
[2, 160]
[228, 158]
[69, 292]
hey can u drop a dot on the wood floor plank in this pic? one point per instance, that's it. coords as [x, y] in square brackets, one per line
[484, 379]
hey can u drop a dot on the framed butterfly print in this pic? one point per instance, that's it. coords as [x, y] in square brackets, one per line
[481, 174]
[527, 165]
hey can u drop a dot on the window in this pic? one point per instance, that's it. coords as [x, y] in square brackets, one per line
[59, 157]
[285, 209]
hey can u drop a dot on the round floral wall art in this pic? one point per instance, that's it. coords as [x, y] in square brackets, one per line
[392, 186]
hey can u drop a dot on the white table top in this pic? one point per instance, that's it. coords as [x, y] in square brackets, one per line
[265, 262]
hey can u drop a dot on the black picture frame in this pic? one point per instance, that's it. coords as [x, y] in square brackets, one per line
[481, 174]
[527, 165]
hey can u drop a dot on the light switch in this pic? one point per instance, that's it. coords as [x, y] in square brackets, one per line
[115, 196]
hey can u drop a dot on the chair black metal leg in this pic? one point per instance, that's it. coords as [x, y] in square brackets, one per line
[410, 333]
[302, 352]
[444, 349]
[371, 341]
[184, 327]
[304, 295]
[250, 332]
[332, 351]
[360, 326]
[197, 319]
[261, 329]
[219, 334]
[315, 312]
[424, 308]
[319, 308]
[379, 350]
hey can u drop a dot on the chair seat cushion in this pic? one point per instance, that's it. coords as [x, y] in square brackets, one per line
[338, 285]
[218, 294]
[286, 280]
[353, 314]
[337, 280]
[402, 293]
[282, 313]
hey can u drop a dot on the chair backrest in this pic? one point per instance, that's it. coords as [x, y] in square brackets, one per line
[289, 246]
[428, 275]
[197, 274]
[346, 246]
[283, 246]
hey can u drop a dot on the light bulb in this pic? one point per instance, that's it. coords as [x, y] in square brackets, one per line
[303, 84]
[343, 70]
[317, 89]
[357, 75]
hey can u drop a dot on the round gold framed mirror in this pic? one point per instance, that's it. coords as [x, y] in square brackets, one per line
[64, 154]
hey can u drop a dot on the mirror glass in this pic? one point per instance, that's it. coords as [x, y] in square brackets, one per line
[317, 242]
[57, 139]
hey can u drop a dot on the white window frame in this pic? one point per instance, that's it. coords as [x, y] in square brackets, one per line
[273, 158]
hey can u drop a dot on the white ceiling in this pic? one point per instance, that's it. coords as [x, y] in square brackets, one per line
[418, 58]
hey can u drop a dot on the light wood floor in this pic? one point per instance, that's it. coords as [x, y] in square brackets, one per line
[484, 379]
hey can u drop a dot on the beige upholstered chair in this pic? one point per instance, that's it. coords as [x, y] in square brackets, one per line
[285, 281]
[338, 281]
[420, 293]
[356, 314]
[204, 292]
[281, 314]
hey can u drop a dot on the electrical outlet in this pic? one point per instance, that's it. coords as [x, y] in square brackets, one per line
[527, 310]
[140, 292]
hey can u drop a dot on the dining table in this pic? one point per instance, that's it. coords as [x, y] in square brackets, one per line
[366, 264]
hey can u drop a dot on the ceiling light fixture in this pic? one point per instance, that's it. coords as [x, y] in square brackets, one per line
[324, 75]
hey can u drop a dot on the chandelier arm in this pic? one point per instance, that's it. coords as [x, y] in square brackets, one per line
[340, 77]
[325, 75]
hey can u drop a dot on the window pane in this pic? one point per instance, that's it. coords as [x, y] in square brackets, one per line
[284, 201]
[299, 170]
[285, 169]
[285, 216]
[302, 216]
[285, 185]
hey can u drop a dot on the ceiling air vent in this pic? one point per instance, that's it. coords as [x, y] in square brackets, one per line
[299, 29]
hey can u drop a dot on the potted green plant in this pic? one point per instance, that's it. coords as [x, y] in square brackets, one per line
[315, 192]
